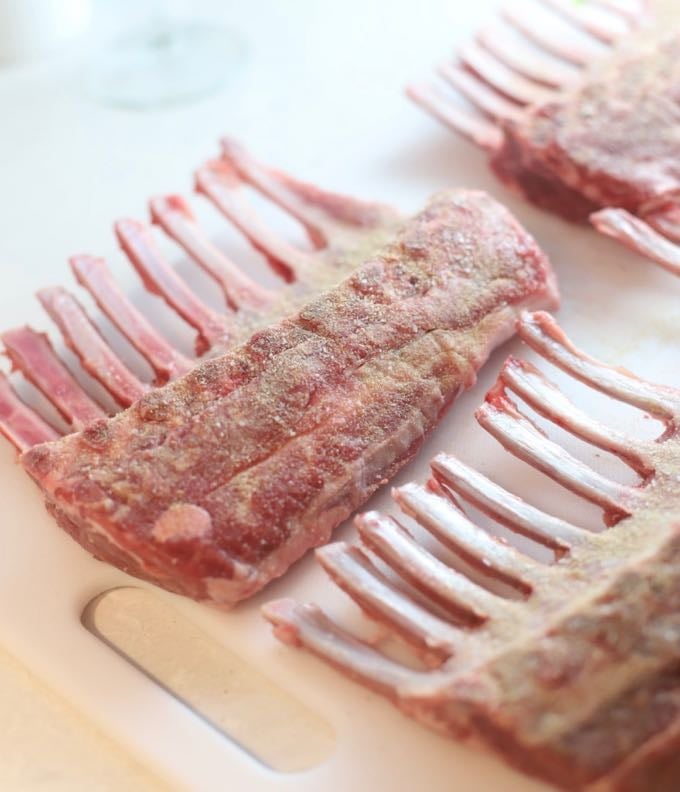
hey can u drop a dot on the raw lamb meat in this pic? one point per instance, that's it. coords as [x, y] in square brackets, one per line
[609, 142]
[217, 482]
[571, 670]
[596, 144]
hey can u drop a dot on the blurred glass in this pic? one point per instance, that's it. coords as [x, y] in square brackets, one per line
[170, 58]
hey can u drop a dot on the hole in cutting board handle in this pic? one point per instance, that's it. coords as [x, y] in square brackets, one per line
[212, 681]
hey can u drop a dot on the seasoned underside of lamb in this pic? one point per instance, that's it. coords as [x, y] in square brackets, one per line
[214, 484]
[610, 142]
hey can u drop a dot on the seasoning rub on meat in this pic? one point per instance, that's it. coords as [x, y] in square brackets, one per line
[217, 482]
[580, 119]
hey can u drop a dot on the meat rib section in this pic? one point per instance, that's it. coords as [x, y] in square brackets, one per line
[217, 482]
[608, 142]
[586, 132]
[577, 680]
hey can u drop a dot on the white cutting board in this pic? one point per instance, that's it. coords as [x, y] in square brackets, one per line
[321, 96]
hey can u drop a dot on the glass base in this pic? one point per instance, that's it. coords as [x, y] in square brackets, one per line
[166, 64]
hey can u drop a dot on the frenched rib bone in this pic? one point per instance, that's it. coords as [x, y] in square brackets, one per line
[217, 482]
